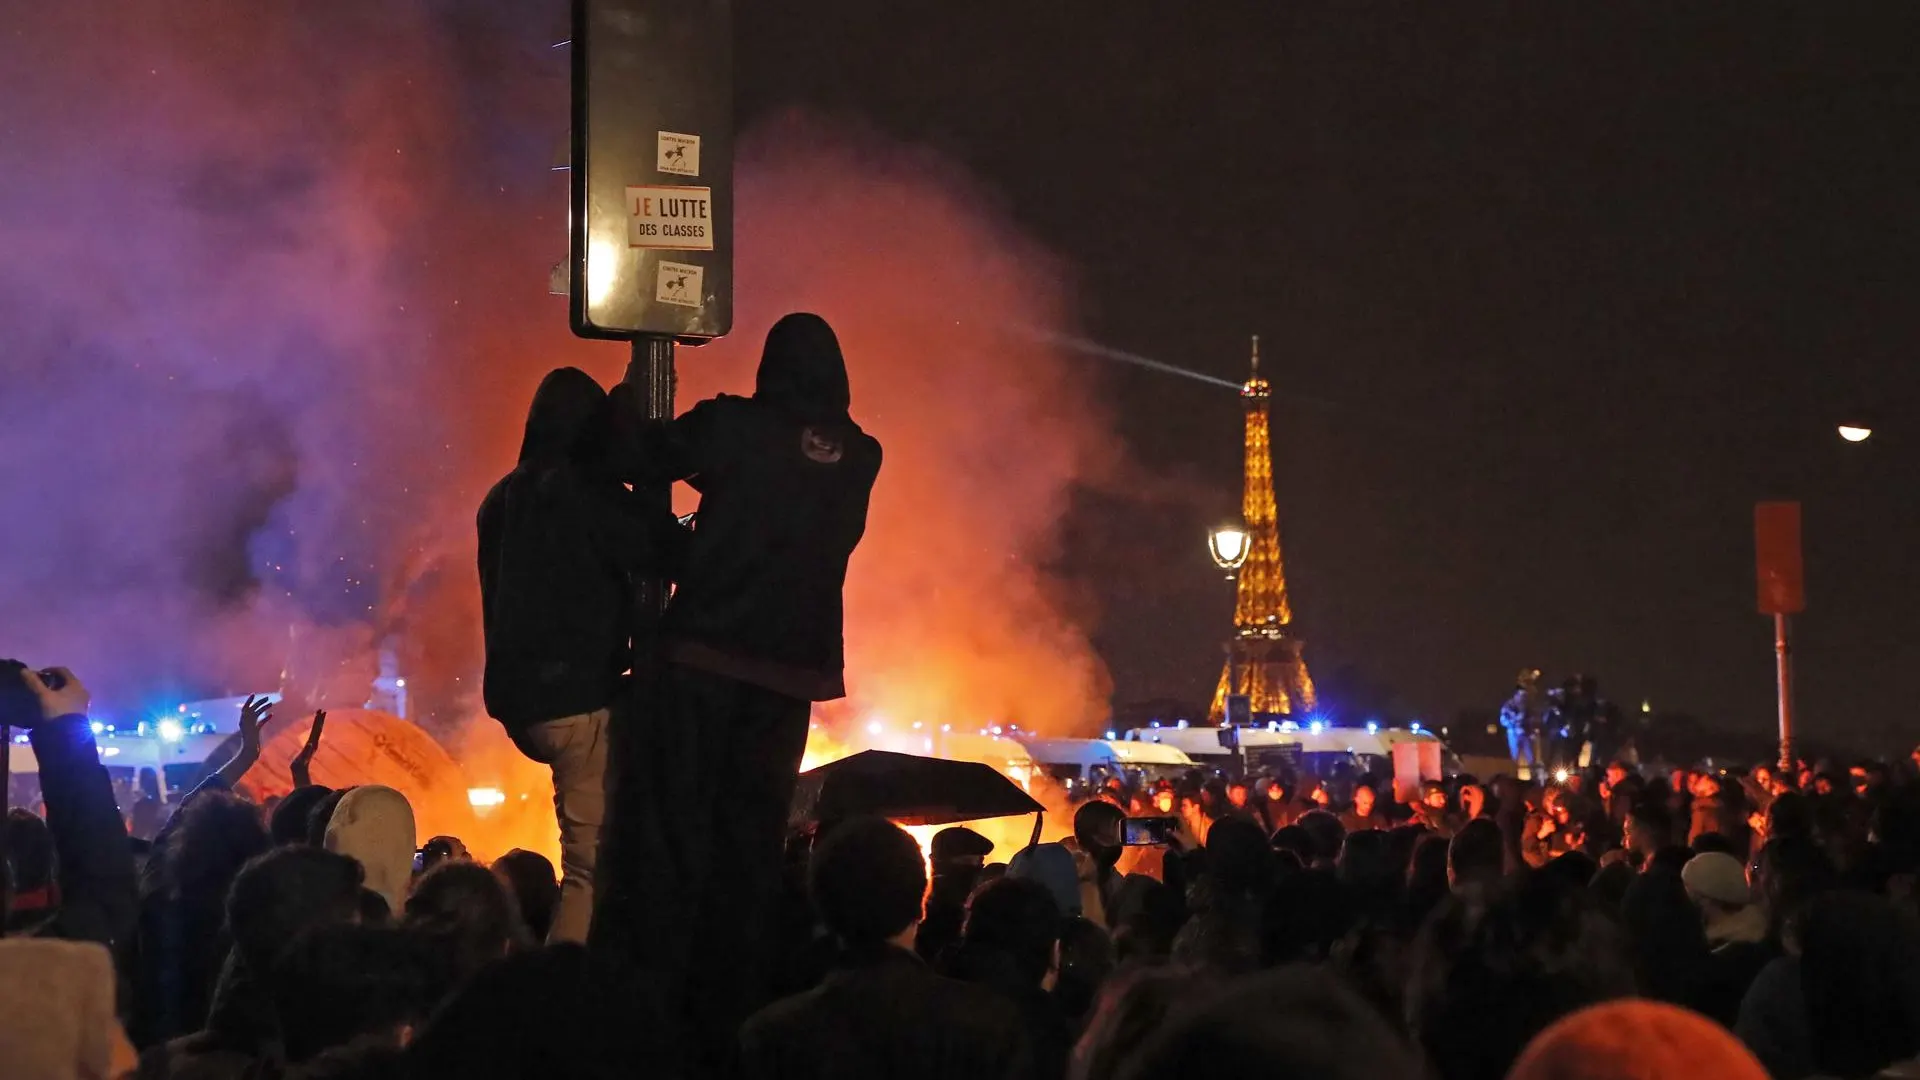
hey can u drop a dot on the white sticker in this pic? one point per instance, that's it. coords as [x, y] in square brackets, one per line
[678, 283]
[679, 154]
[670, 218]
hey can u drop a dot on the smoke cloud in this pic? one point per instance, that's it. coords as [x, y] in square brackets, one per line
[272, 302]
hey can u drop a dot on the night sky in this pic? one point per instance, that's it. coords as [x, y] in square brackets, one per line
[1551, 295]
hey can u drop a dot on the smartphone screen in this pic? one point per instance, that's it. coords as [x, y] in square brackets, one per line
[1147, 831]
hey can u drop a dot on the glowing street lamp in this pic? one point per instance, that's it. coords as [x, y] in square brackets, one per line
[1229, 545]
[1855, 433]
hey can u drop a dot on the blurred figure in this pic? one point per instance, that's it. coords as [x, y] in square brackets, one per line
[288, 823]
[1845, 1000]
[468, 918]
[882, 1013]
[1736, 930]
[1490, 971]
[560, 542]
[342, 984]
[1476, 857]
[753, 637]
[1363, 815]
[1649, 829]
[1312, 1025]
[957, 855]
[1011, 946]
[440, 850]
[529, 876]
[1130, 1012]
[183, 935]
[1635, 1040]
[276, 898]
[1098, 829]
[1435, 809]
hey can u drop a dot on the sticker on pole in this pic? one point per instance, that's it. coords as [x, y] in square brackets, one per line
[678, 283]
[670, 218]
[679, 155]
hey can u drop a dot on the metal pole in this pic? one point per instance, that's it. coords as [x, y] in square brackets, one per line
[1783, 662]
[650, 371]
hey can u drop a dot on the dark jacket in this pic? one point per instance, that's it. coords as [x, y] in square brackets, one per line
[889, 1016]
[99, 890]
[559, 539]
[784, 480]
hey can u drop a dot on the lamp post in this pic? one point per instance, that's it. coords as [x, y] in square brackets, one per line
[1229, 545]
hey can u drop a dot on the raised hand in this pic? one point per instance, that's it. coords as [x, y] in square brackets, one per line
[303, 761]
[254, 715]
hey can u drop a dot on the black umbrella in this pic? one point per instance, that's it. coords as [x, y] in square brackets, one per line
[908, 789]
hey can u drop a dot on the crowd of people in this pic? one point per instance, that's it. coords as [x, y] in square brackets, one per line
[1613, 925]
[1765, 921]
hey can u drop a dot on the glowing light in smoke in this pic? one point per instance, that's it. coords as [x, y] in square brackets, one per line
[1559, 776]
[485, 797]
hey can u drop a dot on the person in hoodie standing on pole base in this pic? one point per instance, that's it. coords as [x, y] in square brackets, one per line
[560, 542]
[751, 638]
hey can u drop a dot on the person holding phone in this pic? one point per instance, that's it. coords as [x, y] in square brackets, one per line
[98, 897]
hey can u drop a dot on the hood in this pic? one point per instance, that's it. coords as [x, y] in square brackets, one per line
[566, 411]
[802, 370]
[56, 1009]
[1052, 866]
[374, 824]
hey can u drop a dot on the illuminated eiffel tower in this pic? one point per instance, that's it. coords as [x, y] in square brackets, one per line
[1264, 659]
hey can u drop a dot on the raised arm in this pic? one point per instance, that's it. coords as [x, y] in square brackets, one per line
[99, 891]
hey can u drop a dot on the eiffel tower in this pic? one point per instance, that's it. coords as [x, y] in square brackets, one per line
[1264, 659]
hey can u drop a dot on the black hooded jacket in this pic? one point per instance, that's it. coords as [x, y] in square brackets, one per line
[784, 479]
[560, 540]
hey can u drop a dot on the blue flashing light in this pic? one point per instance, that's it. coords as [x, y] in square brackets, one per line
[1373, 727]
[99, 728]
[1156, 723]
[1110, 735]
[1414, 727]
[171, 731]
[1317, 726]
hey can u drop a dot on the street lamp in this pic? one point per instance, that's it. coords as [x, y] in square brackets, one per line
[1228, 545]
[1855, 432]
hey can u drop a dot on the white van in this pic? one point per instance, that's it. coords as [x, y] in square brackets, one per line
[1083, 763]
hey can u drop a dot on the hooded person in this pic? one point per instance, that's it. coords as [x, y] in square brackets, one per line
[751, 638]
[560, 542]
[374, 824]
